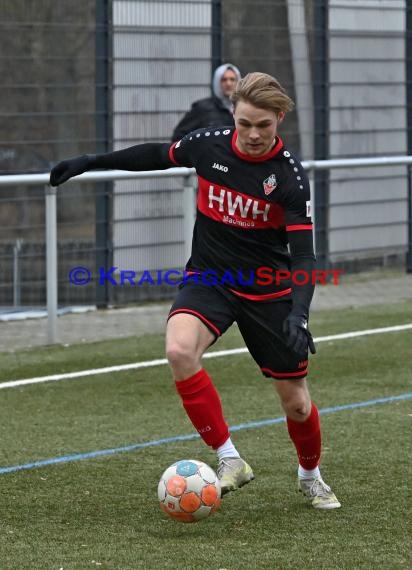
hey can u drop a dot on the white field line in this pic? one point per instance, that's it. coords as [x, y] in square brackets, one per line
[163, 361]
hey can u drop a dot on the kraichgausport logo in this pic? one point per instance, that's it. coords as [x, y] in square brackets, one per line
[263, 276]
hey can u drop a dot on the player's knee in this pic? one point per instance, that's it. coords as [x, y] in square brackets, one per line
[178, 354]
[297, 409]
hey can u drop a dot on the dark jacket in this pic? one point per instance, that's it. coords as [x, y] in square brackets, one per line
[210, 112]
[203, 113]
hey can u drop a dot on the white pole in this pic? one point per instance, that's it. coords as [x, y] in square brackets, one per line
[16, 273]
[189, 213]
[51, 263]
[311, 176]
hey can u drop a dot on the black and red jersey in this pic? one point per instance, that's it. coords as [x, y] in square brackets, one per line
[250, 211]
[253, 214]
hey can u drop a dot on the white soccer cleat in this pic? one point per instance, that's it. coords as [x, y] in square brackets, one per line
[318, 493]
[233, 473]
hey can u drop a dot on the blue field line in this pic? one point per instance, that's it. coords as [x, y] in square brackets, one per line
[189, 437]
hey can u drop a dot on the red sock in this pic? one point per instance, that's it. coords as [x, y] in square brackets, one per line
[202, 404]
[307, 439]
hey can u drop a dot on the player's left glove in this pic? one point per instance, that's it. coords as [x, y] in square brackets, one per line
[298, 337]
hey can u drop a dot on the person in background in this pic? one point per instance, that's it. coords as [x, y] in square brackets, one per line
[215, 110]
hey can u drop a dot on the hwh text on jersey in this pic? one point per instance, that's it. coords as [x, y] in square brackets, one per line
[246, 207]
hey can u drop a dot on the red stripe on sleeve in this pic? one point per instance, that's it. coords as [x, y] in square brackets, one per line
[171, 154]
[297, 227]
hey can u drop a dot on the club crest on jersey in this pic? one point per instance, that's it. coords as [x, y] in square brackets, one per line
[270, 184]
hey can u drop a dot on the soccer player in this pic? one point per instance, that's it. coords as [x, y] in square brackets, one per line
[253, 221]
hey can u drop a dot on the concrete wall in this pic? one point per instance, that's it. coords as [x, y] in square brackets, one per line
[367, 118]
[161, 64]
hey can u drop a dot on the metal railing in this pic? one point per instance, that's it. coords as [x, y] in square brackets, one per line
[189, 208]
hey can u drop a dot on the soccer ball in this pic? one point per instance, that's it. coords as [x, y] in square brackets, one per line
[189, 491]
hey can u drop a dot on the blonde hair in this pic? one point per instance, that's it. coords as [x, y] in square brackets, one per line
[262, 91]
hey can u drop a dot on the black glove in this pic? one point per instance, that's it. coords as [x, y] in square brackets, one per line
[298, 337]
[69, 168]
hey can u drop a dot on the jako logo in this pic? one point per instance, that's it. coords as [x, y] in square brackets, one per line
[220, 167]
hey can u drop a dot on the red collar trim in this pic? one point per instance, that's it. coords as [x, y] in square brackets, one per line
[273, 152]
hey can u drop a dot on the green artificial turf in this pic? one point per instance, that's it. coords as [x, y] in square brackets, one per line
[103, 512]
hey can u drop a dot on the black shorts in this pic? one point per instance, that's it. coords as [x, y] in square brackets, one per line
[260, 324]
